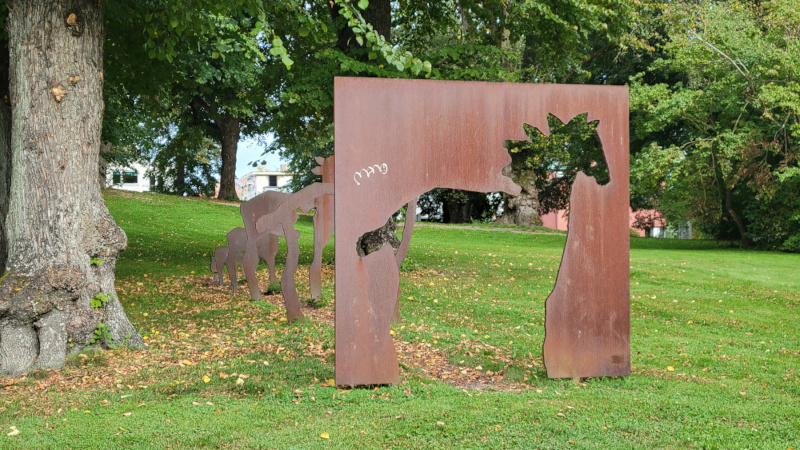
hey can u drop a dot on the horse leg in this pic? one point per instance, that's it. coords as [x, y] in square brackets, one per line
[288, 287]
[249, 266]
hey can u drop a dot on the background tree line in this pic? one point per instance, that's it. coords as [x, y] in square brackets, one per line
[713, 93]
[714, 99]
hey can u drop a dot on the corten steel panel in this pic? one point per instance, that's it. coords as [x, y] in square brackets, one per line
[281, 222]
[396, 139]
[237, 242]
[323, 225]
[259, 245]
[218, 263]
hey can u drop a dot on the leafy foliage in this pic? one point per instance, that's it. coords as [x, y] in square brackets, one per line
[186, 165]
[555, 160]
[99, 300]
[456, 206]
[731, 113]
[101, 335]
[468, 40]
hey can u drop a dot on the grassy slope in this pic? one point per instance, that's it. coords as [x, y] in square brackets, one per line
[714, 339]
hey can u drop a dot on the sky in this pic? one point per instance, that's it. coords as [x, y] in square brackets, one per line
[250, 150]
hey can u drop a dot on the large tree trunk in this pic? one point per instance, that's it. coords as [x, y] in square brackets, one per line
[737, 220]
[229, 128]
[5, 152]
[180, 176]
[57, 222]
[458, 210]
[524, 208]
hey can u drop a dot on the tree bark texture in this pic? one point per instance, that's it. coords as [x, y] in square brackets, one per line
[229, 128]
[457, 210]
[180, 176]
[62, 242]
[5, 152]
[524, 208]
[374, 240]
[737, 220]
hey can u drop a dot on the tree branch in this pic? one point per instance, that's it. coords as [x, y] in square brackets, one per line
[738, 65]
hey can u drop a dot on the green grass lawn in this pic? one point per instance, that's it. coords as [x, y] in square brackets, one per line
[715, 356]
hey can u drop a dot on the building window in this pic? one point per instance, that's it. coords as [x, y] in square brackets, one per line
[273, 180]
[117, 177]
[130, 177]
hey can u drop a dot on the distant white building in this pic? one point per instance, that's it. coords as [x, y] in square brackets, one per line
[129, 178]
[260, 181]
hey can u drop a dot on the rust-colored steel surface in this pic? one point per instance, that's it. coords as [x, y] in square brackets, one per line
[281, 223]
[323, 225]
[272, 214]
[402, 251]
[397, 139]
[237, 241]
[218, 264]
[259, 245]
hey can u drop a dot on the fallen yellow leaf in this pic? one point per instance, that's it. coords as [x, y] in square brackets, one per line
[206, 379]
[325, 436]
[670, 368]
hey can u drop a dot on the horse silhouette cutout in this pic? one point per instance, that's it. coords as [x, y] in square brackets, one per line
[232, 256]
[218, 264]
[269, 203]
[279, 219]
[237, 240]
[323, 225]
[425, 134]
[280, 222]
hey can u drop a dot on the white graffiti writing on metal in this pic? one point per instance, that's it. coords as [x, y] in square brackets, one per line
[381, 168]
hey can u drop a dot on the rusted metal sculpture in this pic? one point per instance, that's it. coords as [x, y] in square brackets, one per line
[402, 251]
[237, 240]
[280, 222]
[218, 263]
[258, 245]
[323, 225]
[396, 139]
[269, 203]
[268, 209]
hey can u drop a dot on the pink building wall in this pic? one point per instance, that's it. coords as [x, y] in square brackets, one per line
[558, 220]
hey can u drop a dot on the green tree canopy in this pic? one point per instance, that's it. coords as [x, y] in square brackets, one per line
[722, 138]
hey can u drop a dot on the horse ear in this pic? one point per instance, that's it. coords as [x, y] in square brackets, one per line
[319, 160]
